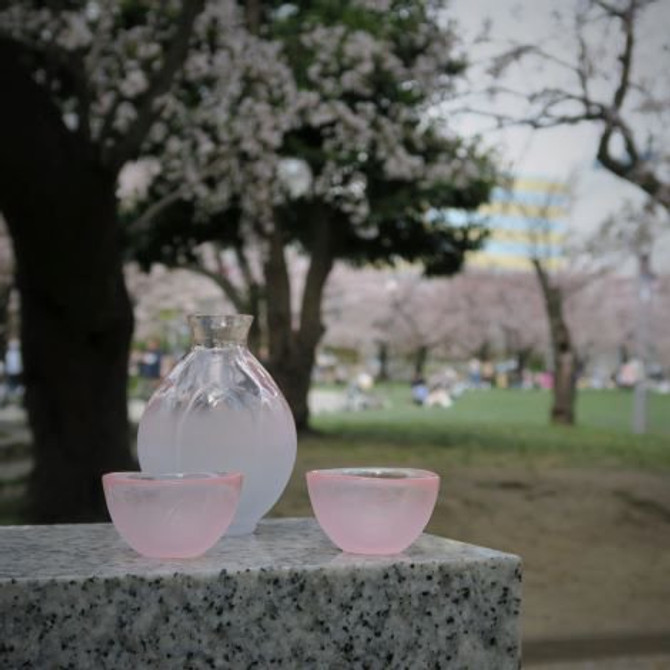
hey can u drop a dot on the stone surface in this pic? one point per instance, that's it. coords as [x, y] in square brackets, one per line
[77, 596]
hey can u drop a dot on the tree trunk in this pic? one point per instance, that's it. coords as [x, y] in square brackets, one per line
[565, 360]
[420, 359]
[293, 352]
[383, 357]
[76, 319]
[563, 407]
[5, 297]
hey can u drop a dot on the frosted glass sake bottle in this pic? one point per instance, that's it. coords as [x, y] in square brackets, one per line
[220, 411]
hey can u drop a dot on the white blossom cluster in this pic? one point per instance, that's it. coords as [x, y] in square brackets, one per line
[358, 122]
[221, 130]
[112, 63]
[228, 145]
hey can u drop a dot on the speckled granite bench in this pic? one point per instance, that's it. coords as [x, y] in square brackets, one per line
[77, 597]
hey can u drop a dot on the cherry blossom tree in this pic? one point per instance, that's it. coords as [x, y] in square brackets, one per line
[474, 313]
[328, 148]
[299, 124]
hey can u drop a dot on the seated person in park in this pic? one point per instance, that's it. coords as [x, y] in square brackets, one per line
[419, 390]
[438, 397]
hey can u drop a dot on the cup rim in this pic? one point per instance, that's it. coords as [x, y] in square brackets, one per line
[138, 478]
[387, 475]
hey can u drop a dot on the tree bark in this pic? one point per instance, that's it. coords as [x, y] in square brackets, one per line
[565, 359]
[420, 359]
[383, 358]
[563, 407]
[5, 296]
[292, 352]
[76, 318]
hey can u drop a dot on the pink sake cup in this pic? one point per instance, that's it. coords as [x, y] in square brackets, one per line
[373, 510]
[172, 515]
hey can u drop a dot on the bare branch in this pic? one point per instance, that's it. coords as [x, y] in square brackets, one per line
[143, 223]
[231, 291]
[611, 10]
[626, 57]
[552, 107]
[245, 267]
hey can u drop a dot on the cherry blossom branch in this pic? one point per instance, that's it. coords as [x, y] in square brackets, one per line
[144, 221]
[147, 111]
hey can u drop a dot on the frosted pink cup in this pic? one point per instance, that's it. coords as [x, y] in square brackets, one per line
[174, 515]
[373, 510]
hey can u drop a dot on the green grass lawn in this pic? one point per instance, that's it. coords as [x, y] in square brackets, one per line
[492, 429]
[498, 428]
[509, 421]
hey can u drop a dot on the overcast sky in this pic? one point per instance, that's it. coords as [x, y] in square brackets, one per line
[562, 152]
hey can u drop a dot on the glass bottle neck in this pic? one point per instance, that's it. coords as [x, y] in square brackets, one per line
[214, 330]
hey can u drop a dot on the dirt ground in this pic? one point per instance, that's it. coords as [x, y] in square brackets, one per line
[596, 549]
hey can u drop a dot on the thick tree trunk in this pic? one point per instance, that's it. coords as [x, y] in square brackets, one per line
[565, 360]
[294, 377]
[293, 351]
[76, 319]
[563, 406]
[5, 296]
[76, 361]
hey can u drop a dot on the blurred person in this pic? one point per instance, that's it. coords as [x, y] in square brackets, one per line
[150, 362]
[629, 374]
[419, 390]
[13, 367]
[545, 380]
[527, 381]
[438, 397]
[501, 376]
[475, 372]
[149, 368]
[365, 381]
[488, 373]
